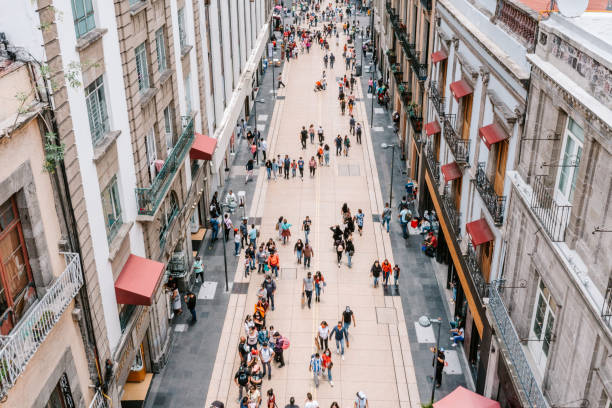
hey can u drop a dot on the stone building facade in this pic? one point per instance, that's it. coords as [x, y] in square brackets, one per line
[552, 312]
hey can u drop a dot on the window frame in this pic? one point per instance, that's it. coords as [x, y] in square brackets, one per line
[169, 128]
[142, 67]
[568, 174]
[547, 327]
[87, 17]
[95, 98]
[188, 96]
[151, 149]
[112, 188]
[160, 49]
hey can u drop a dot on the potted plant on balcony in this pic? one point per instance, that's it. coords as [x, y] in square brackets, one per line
[39, 328]
[5, 366]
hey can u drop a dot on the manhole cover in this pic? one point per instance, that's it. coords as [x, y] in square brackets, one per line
[240, 288]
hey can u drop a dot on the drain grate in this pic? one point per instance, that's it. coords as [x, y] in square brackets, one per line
[240, 288]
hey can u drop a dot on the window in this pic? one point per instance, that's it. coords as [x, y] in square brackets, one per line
[96, 109]
[188, 93]
[15, 273]
[141, 67]
[125, 314]
[182, 29]
[570, 159]
[442, 76]
[160, 47]
[542, 322]
[83, 14]
[168, 128]
[151, 153]
[111, 205]
[61, 396]
[467, 116]
[169, 211]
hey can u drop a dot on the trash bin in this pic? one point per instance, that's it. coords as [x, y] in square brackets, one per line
[357, 69]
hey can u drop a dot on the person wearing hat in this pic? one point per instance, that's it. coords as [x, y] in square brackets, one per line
[440, 357]
[361, 401]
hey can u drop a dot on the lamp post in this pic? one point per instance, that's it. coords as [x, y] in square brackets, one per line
[392, 147]
[425, 321]
[223, 207]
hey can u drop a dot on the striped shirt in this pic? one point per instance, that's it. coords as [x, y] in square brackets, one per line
[315, 364]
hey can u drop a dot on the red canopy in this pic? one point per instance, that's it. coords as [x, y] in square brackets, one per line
[492, 134]
[203, 147]
[463, 397]
[460, 89]
[479, 232]
[138, 281]
[432, 128]
[438, 56]
[451, 171]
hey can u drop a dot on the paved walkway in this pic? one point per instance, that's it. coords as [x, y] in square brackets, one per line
[379, 361]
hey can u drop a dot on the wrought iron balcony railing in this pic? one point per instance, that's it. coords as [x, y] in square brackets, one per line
[454, 216]
[416, 118]
[434, 164]
[436, 99]
[459, 147]
[471, 259]
[98, 401]
[426, 4]
[606, 309]
[512, 344]
[554, 217]
[24, 340]
[518, 22]
[149, 198]
[494, 203]
[391, 57]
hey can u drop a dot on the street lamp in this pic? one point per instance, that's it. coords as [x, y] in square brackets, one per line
[392, 147]
[425, 321]
[223, 207]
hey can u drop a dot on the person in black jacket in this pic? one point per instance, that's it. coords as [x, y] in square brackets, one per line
[376, 271]
[350, 251]
[190, 299]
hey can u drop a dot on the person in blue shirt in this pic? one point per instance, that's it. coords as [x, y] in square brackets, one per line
[340, 334]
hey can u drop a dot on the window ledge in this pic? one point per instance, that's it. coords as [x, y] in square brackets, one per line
[185, 50]
[146, 96]
[88, 39]
[138, 7]
[104, 144]
[165, 75]
[117, 242]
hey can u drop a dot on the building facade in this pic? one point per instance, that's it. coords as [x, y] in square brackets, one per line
[46, 348]
[552, 309]
[146, 116]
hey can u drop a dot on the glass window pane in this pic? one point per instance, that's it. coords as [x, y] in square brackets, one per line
[548, 334]
[576, 130]
[539, 317]
[79, 9]
[88, 6]
[6, 214]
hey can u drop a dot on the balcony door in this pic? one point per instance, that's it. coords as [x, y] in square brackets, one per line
[571, 152]
[457, 192]
[500, 167]
[542, 323]
[151, 154]
[437, 146]
[467, 116]
[486, 254]
[442, 76]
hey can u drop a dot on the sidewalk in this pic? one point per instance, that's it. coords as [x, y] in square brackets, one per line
[184, 380]
[379, 360]
[422, 284]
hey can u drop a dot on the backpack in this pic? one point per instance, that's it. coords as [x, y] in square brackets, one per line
[243, 376]
[285, 343]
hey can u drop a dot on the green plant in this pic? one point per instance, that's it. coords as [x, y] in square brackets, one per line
[39, 328]
[54, 153]
[427, 405]
[74, 71]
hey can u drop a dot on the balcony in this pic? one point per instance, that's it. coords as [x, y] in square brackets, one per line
[606, 309]
[554, 217]
[459, 147]
[149, 198]
[511, 345]
[21, 344]
[98, 401]
[416, 118]
[494, 203]
[405, 92]
[520, 23]
[426, 4]
[454, 216]
[391, 57]
[473, 264]
[436, 99]
[434, 165]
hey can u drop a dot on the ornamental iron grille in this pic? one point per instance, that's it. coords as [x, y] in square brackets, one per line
[494, 203]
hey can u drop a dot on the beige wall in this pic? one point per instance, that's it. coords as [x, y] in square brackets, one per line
[15, 81]
[65, 335]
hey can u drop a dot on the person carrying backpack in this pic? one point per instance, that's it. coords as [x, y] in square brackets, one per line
[242, 379]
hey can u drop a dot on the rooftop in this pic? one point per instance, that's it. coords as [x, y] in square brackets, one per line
[542, 5]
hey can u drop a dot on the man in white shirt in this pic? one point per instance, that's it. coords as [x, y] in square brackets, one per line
[361, 401]
[263, 146]
[266, 354]
[323, 336]
[310, 403]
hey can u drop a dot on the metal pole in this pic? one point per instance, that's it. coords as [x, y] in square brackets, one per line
[433, 386]
[391, 186]
[225, 261]
[273, 74]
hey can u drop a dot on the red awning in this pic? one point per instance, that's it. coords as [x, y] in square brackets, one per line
[138, 281]
[438, 56]
[479, 232]
[460, 89]
[492, 134]
[462, 397]
[432, 128]
[451, 171]
[203, 147]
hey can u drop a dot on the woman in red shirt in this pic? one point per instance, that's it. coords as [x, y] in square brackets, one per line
[327, 365]
[386, 269]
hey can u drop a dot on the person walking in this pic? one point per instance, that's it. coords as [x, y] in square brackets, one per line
[338, 141]
[326, 154]
[361, 401]
[327, 366]
[348, 316]
[310, 403]
[339, 244]
[280, 81]
[285, 231]
[262, 259]
[298, 249]
[286, 166]
[198, 269]
[386, 215]
[265, 355]
[347, 145]
[358, 131]
[275, 168]
[306, 225]
[359, 217]
[273, 262]
[270, 287]
[396, 275]
[308, 254]
[190, 300]
[252, 234]
[291, 403]
[375, 272]
[303, 137]
[263, 146]
[404, 216]
[323, 336]
[311, 132]
[320, 134]
[316, 365]
[441, 363]
[307, 288]
[293, 168]
[386, 270]
[237, 239]
[352, 125]
[319, 284]
[340, 335]
[312, 164]
[271, 398]
[349, 250]
[241, 378]
[300, 164]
